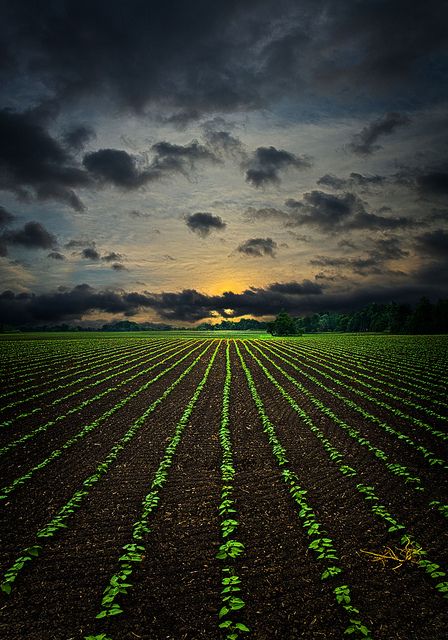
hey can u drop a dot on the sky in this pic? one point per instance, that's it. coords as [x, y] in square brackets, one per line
[192, 161]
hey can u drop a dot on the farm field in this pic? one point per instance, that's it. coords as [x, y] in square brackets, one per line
[189, 486]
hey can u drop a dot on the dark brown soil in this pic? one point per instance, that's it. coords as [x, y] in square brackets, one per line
[176, 589]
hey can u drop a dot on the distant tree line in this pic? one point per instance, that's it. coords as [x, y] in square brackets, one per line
[425, 317]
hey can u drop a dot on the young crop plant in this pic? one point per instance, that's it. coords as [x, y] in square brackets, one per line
[364, 369]
[394, 467]
[367, 491]
[134, 551]
[427, 454]
[377, 401]
[352, 375]
[59, 521]
[88, 428]
[91, 384]
[320, 543]
[90, 366]
[230, 548]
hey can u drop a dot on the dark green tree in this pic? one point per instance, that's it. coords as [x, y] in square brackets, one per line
[283, 325]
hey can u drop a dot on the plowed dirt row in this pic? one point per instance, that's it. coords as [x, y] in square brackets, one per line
[19, 522]
[368, 428]
[71, 412]
[86, 554]
[381, 594]
[176, 588]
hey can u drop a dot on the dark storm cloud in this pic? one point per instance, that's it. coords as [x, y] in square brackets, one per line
[116, 167]
[118, 267]
[55, 255]
[126, 171]
[77, 243]
[327, 213]
[203, 223]
[112, 256]
[330, 213]
[224, 143]
[329, 180]
[258, 247]
[433, 183]
[35, 165]
[354, 180]
[5, 217]
[364, 142]
[373, 263]
[190, 305]
[306, 287]
[266, 164]
[433, 243]
[77, 137]
[32, 235]
[90, 253]
[187, 60]
[183, 159]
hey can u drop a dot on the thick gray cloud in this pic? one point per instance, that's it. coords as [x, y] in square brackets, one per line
[364, 142]
[203, 223]
[6, 217]
[112, 256]
[353, 181]
[330, 213]
[190, 305]
[35, 165]
[78, 136]
[32, 235]
[90, 253]
[433, 183]
[182, 159]
[266, 164]
[433, 243]
[258, 247]
[56, 255]
[223, 143]
[123, 170]
[306, 287]
[116, 167]
[373, 263]
[223, 56]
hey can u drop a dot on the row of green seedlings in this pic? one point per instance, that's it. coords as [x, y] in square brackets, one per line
[356, 375]
[376, 374]
[386, 359]
[79, 367]
[433, 569]
[395, 468]
[429, 456]
[88, 401]
[89, 372]
[27, 355]
[320, 543]
[57, 453]
[29, 412]
[52, 362]
[59, 521]
[230, 548]
[134, 551]
[76, 362]
[378, 402]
